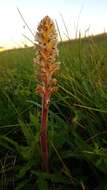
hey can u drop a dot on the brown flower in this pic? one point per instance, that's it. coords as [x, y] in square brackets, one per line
[47, 53]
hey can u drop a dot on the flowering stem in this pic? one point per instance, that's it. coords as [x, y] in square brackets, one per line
[43, 135]
[46, 60]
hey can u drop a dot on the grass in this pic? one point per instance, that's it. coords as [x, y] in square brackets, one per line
[77, 119]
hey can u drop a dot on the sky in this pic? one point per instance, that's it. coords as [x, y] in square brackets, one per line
[85, 16]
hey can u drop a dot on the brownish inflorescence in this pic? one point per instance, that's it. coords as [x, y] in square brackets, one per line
[46, 59]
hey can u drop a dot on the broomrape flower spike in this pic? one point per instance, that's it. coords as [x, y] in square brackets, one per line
[47, 53]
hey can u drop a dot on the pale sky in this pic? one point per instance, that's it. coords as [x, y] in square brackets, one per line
[89, 14]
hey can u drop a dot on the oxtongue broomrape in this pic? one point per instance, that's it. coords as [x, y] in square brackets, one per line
[46, 59]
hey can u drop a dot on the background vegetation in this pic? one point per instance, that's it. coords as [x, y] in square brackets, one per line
[77, 121]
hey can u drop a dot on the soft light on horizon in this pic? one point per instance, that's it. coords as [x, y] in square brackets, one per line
[88, 17]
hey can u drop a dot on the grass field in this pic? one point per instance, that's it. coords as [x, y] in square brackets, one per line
[77, 120]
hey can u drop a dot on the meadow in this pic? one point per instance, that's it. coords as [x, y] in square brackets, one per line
[77, 120]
